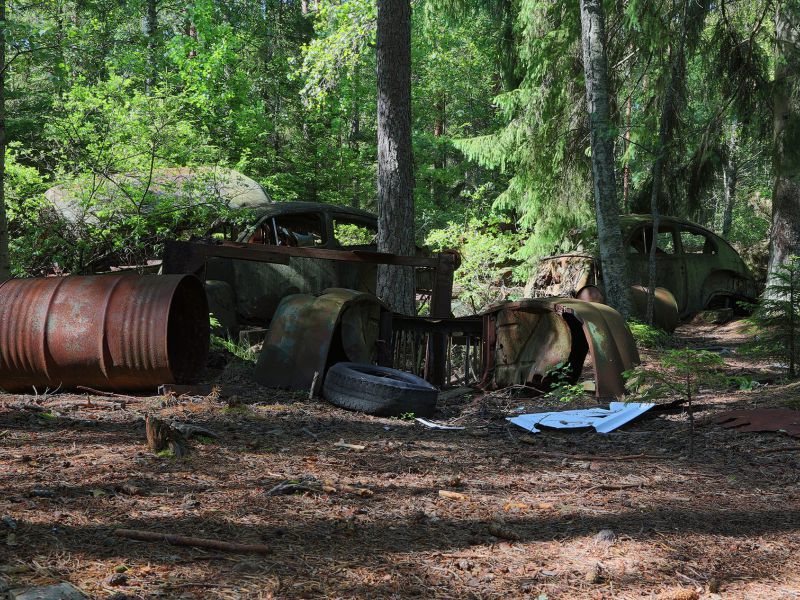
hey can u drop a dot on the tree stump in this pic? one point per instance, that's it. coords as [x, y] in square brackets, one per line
[161, 436]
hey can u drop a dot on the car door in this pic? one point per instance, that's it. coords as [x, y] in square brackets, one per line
[700, 255]
[670, 266]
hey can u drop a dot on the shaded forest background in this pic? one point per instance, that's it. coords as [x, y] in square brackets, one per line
[284, 92]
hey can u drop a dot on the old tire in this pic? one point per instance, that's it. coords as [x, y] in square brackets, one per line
[379, 391]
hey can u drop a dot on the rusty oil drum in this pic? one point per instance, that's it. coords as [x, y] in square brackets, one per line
[113, 332]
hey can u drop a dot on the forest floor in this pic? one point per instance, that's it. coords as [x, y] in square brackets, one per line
[724, 524]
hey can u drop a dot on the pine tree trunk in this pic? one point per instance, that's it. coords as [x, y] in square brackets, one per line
[395, 161]
[730, 176]
[785, 232]
[595, 65]
[5, 258]
[355, 132]
[440, 158]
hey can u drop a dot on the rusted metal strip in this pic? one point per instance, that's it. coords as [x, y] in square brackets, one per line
[111, 332]
[281, 254]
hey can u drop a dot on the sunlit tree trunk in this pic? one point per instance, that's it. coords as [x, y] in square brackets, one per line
[595, 65]
[395, 160]
[440, 157]
[730, 177]
[5, 258]
[785, 232]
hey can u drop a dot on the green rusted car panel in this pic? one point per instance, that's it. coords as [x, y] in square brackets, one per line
[698, 268]
[309, 333]
[528, 340]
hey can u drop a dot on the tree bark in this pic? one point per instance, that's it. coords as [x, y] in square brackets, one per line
[595, 65]
[440, 157]
[353, 143]
[730, 177]
[5, 258]
[395, 161]
[785, 232]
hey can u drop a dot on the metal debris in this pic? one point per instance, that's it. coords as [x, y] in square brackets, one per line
[602, 419]
[526, 341]
[309, 333]
[762, 419]
[113, 332]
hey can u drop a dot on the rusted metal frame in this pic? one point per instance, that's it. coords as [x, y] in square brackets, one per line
[417, 331]
[282, 254]
[441, 299]
[488, 343]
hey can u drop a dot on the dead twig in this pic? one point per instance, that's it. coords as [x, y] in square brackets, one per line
[182, 540]
[559, 455]
[95, 392]
[613, 487]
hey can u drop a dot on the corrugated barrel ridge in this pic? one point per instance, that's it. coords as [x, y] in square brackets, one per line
[110, 331]
[23, 320]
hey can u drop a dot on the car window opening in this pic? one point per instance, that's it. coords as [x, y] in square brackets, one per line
[640, 243]
[290, 230]
[350, 232]
[697, 243]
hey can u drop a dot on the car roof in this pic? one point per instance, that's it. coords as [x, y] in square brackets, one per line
[274, 209]
[628, 222]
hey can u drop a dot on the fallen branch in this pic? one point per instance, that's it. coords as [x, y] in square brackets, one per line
[182, 540]
[607, 487]
[558, 455]
[95, 392]
[27, 406]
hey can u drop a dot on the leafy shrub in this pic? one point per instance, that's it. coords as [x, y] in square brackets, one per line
[489, 263]
[648, 336]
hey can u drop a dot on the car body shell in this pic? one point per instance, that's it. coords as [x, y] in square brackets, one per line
[698, 267]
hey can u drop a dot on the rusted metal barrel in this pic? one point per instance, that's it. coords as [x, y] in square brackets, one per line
[111, 332]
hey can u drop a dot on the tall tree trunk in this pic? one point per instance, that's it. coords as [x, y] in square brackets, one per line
[151, 30]
[595, 65]
[730, 177]
[691, 23]
[507, 44]
[395, 161]
[5, 258]
[785, 232]
[440, 157]
[354, 144]
[626, 170]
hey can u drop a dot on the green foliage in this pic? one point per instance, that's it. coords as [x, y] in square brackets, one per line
[240, 351]
[561, 387]
[679, 373]
[776, 318]
[648, 336]
[488, 252]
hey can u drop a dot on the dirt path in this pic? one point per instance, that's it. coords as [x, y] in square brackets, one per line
[726, 524]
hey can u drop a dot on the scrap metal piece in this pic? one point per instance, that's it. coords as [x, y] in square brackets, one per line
[602, 419]
[527, 340]
[112, 332]
[762, 419]
[665, 307]
[309, 333]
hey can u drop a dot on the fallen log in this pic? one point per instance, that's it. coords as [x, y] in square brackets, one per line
[182, 540]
